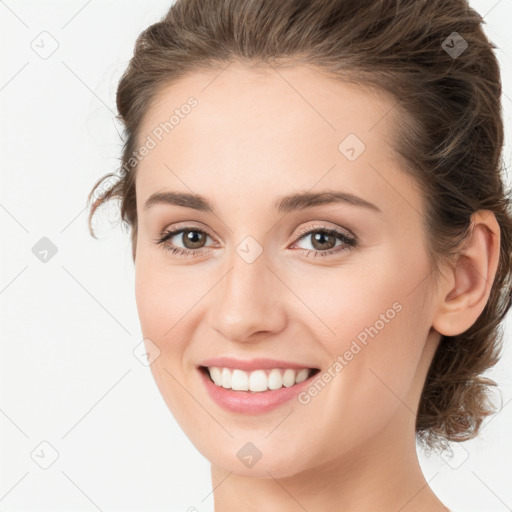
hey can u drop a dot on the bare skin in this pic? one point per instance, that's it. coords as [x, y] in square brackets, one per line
[253, 137]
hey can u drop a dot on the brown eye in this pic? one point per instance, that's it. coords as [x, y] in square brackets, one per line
[322, 240]
[193, 239]
[184, 241]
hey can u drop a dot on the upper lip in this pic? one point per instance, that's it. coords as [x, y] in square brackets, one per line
[252, 364]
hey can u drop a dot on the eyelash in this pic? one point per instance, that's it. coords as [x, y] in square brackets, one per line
[349, 242]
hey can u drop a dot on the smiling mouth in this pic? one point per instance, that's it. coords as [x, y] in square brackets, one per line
[257, 381]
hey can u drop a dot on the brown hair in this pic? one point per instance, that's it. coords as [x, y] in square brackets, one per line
[449, 132]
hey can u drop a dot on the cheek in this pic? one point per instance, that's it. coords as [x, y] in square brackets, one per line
[377, 334]
[371, 383]
[160, 309]
[379, 301]
[148, 297]
[162, 304]
[163, 296]
[169, 301]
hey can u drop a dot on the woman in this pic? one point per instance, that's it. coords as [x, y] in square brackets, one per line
[321, 239]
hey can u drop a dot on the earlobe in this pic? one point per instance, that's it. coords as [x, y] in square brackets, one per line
[463, 299]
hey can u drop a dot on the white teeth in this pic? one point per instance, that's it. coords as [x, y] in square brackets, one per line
[226, 378]
[275, 381]
[216, 375]
[257, 380]
[289, 378]
[239, 380]
[302, 375]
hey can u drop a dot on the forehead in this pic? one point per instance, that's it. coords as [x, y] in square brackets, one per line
[300, 99]
[268, 128]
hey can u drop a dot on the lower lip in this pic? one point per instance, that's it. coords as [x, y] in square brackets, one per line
[250, 402]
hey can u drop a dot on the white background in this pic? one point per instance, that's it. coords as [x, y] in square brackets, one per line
[69, 326]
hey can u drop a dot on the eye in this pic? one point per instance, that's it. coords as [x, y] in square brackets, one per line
[323, 241]
[194, 239]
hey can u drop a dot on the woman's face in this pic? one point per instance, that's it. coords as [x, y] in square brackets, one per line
[260, 278]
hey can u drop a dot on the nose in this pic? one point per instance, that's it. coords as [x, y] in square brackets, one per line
[248, 300]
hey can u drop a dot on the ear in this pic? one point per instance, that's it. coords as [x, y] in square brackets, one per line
[466, 290]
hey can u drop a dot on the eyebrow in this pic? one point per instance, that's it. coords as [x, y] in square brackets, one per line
[284, 204]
